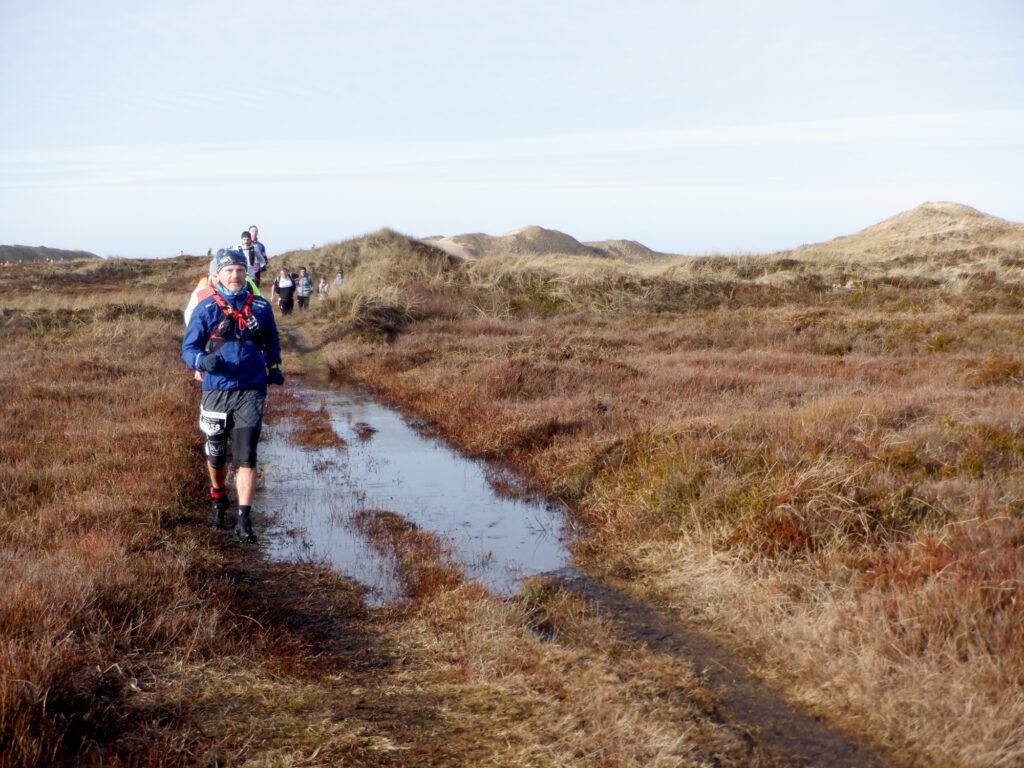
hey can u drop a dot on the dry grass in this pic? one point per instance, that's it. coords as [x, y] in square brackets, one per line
[90, 486]
[132, 635]
[817, 458]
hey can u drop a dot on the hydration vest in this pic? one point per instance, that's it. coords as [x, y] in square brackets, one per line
[241, 320]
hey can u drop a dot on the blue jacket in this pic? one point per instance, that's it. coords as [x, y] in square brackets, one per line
[242, 363]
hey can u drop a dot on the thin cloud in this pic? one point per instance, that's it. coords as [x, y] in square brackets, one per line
[131, 164]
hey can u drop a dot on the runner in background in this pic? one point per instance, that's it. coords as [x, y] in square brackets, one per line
[304, 288]
[284, 289]
[253, 263]
[339, 278]
[254, 235]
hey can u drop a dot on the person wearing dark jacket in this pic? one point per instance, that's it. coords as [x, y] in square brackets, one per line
[232, 339]
[255, 256]
[284, 290]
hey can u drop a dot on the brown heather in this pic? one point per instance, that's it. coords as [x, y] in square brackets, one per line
[815, 457]
[133, 636]
[820, 458]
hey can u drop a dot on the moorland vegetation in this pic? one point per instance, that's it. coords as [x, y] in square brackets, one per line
[814, 456]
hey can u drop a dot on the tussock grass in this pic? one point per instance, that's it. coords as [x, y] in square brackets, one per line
[131, 635]
[89, 484]
[814, 456]
[818, 457]
[425, 564]
[312, 429]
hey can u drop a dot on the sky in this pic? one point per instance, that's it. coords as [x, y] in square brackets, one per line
[692, 126]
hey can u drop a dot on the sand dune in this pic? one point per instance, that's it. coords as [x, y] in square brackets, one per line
[932, 228]
[534, 240]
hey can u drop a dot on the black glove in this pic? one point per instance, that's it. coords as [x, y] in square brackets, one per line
[274, 375]
[209, 363]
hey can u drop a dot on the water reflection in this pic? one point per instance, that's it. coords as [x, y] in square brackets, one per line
[312, 494]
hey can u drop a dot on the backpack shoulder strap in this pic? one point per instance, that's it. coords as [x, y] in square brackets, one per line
[218, 336]
[242, 321]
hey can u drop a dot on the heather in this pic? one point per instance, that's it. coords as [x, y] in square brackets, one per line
[811, 458]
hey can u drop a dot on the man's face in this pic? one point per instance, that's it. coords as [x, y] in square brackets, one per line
[253, 232]
[246, 240]
[232, 276]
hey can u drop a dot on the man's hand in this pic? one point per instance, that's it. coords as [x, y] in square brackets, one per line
[210, 362]
[274, 375]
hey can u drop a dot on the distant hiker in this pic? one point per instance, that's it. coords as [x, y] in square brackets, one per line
[284, 289]
[254, 264]
[303, 288]
[254, 235]
[321, 287]
[339, 278]
[232, 339]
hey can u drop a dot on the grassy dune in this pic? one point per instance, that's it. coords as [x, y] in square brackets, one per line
[816, 457]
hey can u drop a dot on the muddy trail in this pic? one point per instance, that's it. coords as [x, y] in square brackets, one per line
[351, 641]
[771, 727]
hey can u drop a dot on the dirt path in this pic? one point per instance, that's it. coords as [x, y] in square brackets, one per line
[300, 355]
[770, 725]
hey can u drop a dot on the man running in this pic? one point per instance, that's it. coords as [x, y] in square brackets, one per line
[232, 338]
[205, 287]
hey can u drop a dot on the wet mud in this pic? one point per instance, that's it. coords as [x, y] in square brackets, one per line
[780, 734]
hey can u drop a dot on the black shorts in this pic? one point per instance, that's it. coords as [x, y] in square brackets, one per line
[241, 414]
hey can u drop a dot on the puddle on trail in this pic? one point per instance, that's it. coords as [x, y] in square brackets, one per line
[311, 495]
